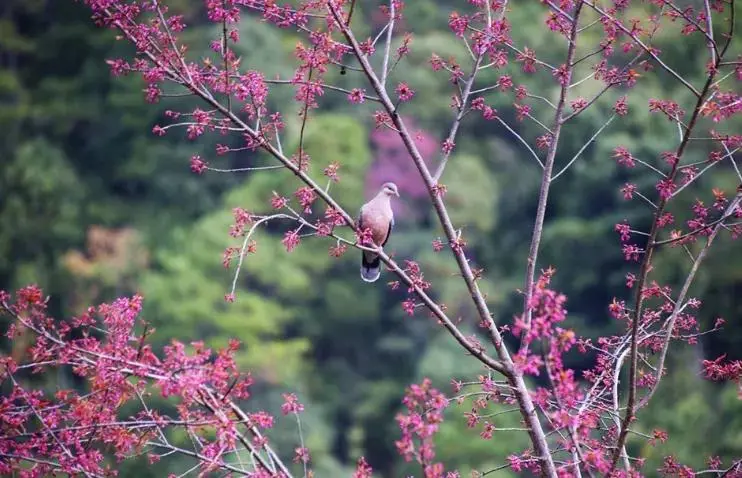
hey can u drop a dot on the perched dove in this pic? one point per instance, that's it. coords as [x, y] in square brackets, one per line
[377, 216]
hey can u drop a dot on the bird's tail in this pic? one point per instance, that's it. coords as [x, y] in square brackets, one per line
[370, 268]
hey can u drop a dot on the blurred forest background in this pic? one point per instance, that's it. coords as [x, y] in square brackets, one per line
[94, 206]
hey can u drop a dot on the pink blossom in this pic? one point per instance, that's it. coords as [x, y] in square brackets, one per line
[562, 74]
[630, 280]
[357, 95]
[458, 23]
[367, 47]
[505, 83]
[333, 217]
[578, 104]
[628, 190]
[291, 240]
[447, 146]
[404, 48]
[436, 62]
[365, 237]
[544, 141]
[528, 59]
[404, 92]
[624, 230]
[409, 307]
[620, 107]
[291, 404]
[278, 202]
[631, 252]
[338, 250]
[666, 187]
[301, 455]
[306, 197]
[363, 470]
[198, 165]
[624, 157]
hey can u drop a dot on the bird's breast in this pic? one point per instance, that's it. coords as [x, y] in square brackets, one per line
[377, 219]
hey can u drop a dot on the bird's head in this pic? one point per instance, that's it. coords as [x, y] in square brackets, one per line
[389, 190]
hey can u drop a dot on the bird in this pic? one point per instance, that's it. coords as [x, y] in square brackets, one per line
[377, 216]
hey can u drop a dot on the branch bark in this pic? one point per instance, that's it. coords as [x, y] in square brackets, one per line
[528, 410]
[645, 268]
[546, 177]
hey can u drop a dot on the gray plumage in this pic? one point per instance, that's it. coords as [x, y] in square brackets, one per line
[377, 216]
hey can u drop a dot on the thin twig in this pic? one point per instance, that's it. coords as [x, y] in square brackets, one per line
[546, 176]
[583, 148]
[388, 46]
[457, 121]
[644, 272]
[647, 49]
[505, 365]
[680, 301]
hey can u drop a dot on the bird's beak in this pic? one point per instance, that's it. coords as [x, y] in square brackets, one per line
[396, 193]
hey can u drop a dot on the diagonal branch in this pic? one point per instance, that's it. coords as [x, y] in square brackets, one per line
[528, 410]
[546, 177]
[388, 45]
[324, 195]
[646, 266]
[644, 47]
[457, 121]
[679, 303]
[583, 148]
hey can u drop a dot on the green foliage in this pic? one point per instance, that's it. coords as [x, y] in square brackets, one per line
[467, 173]
[700, 418]
[274, 287]
[77, 153]
[42, 198]
[457, 445]
[187, 301]
[330, 138]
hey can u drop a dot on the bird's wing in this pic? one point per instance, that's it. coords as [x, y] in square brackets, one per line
[389, 231]
[359, 219]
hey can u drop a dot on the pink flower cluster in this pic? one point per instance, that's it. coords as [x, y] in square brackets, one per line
[42, 433]
[420, 422]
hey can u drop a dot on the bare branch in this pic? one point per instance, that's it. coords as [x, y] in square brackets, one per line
[644, 272]
[583, 148]
[388, 46]
[647, 49]
[680, 301]
[548, 167]
[457, 121]
[523, 395]
[521, 140]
